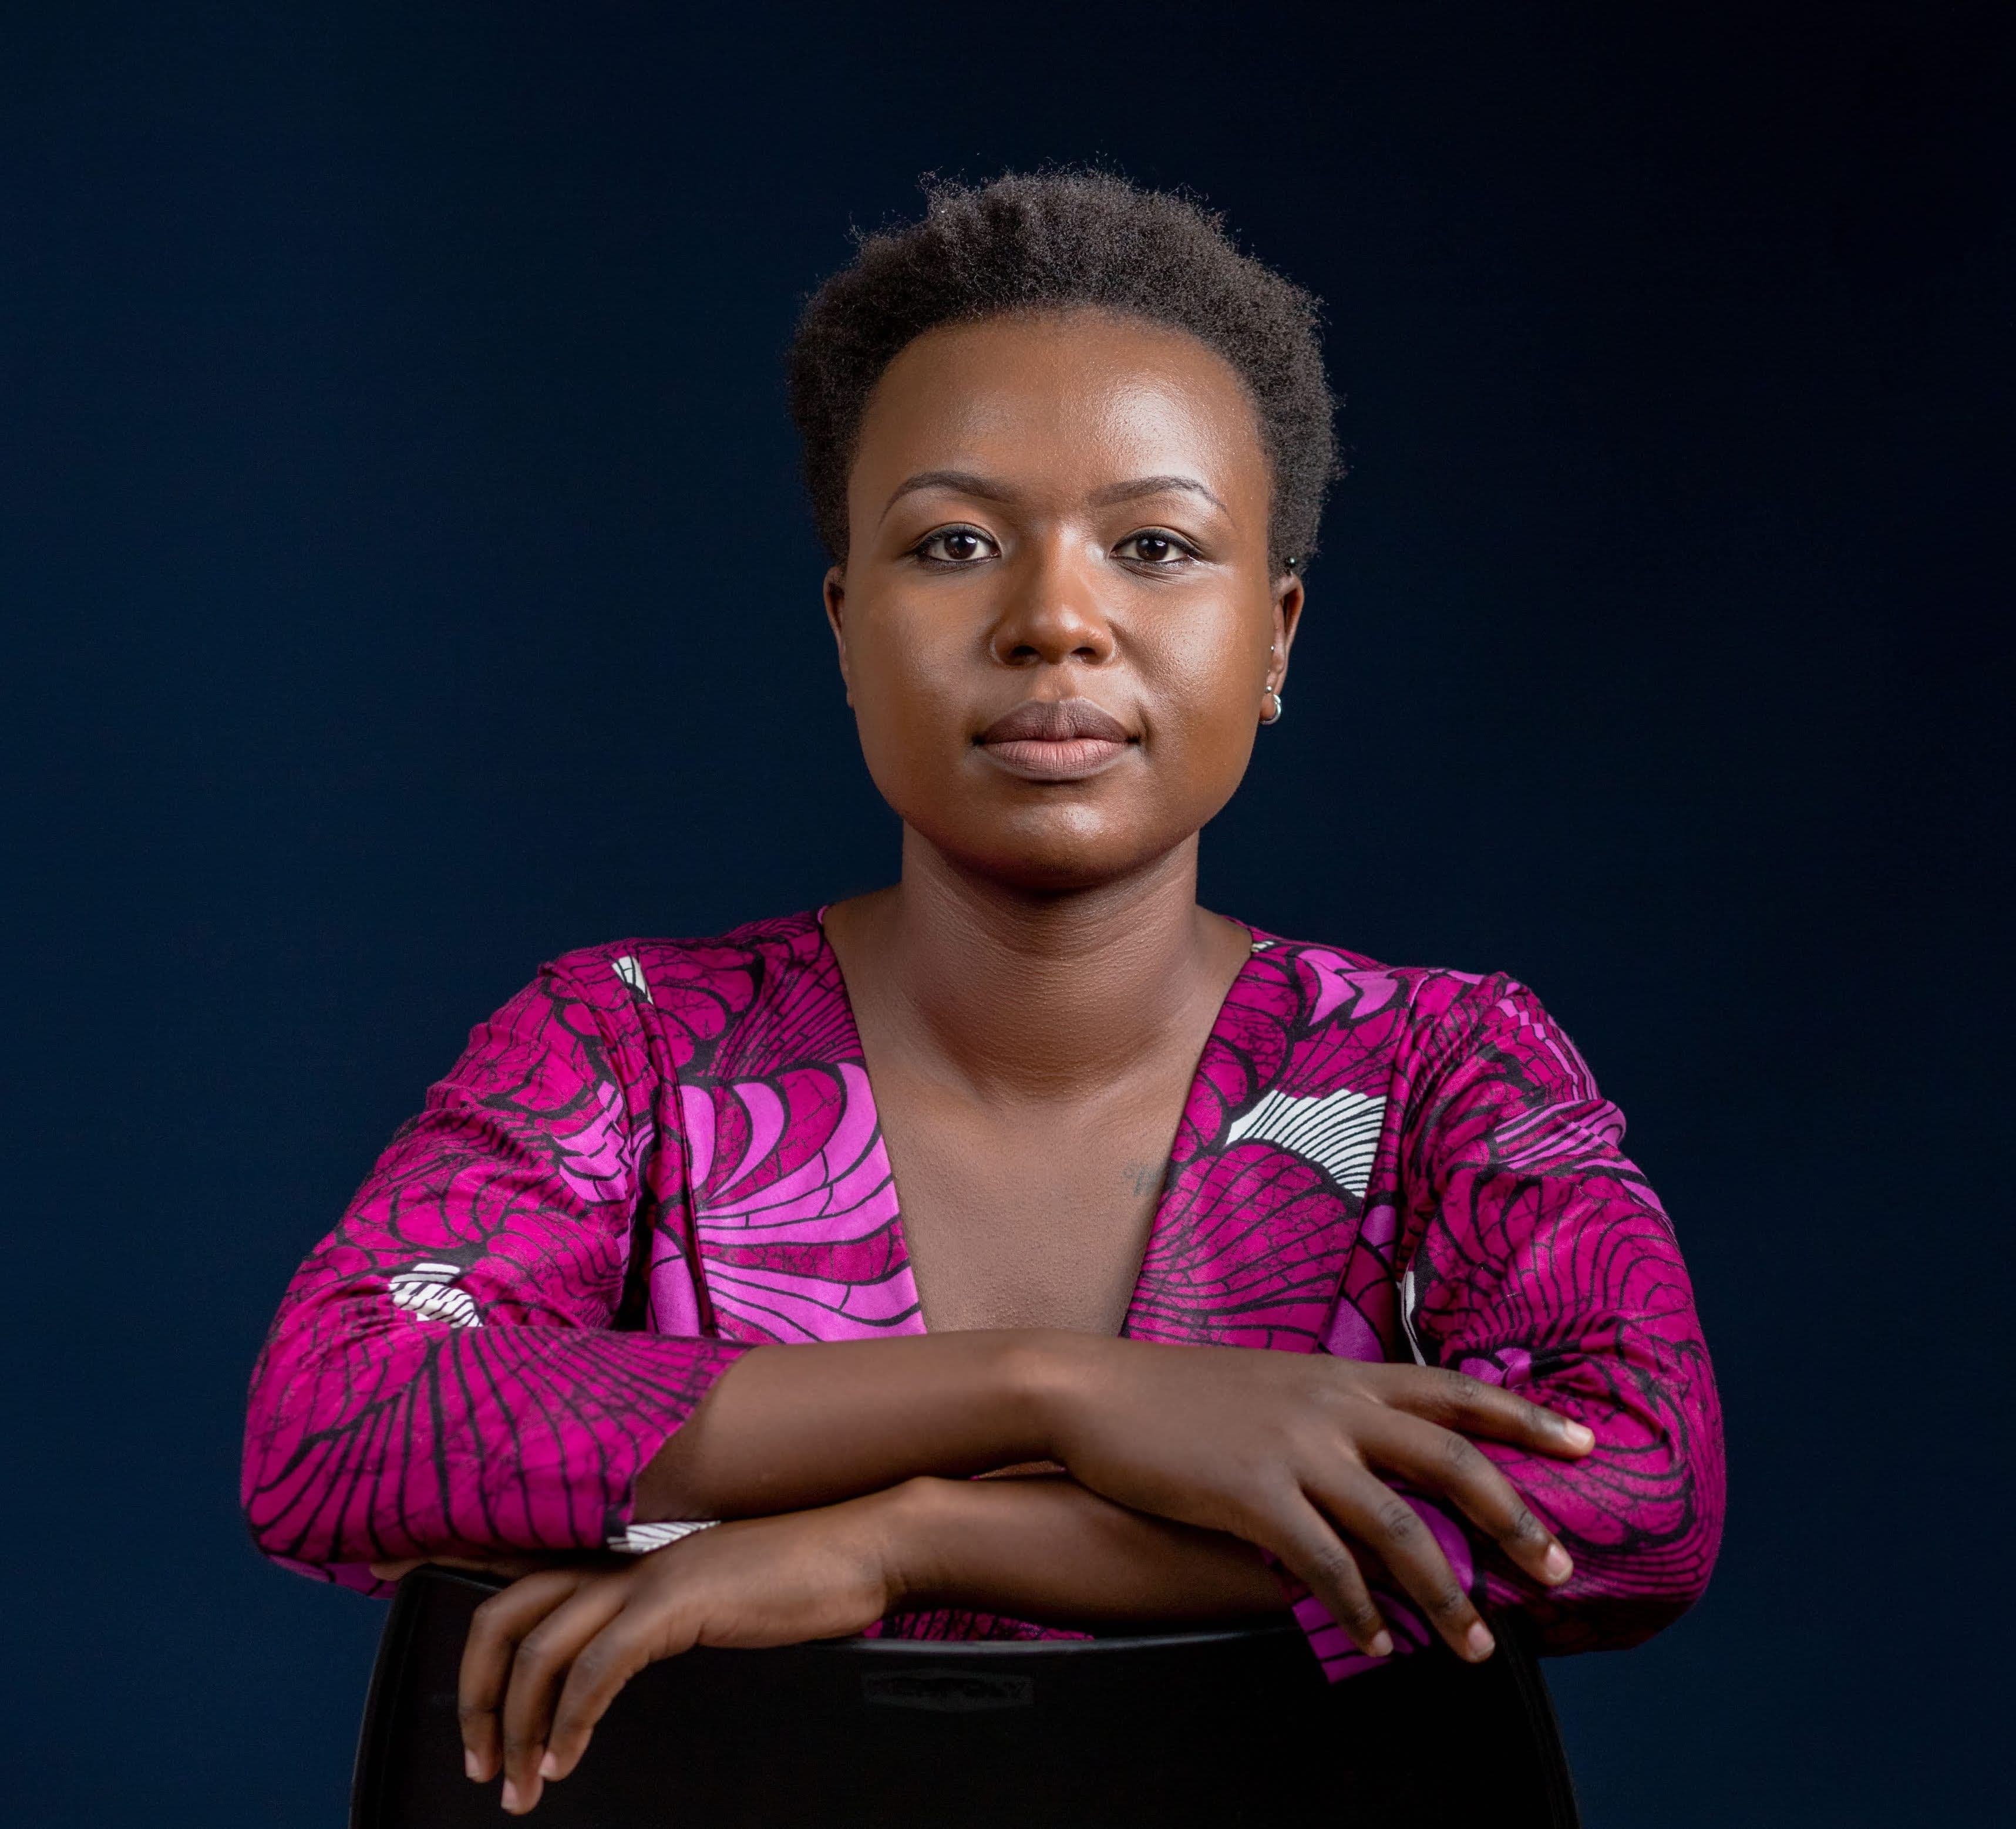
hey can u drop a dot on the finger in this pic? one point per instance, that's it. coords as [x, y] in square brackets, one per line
[1457, 1400]
[1380, 1518]
[500, 1623]
[1308, 1545]
[604, 1665]
[392, 1571]
[544, 1656]
[1440, 1461]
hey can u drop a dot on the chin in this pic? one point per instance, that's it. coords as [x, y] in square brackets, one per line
[1058, 851]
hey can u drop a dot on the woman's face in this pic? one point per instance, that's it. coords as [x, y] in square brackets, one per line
[1057, 622]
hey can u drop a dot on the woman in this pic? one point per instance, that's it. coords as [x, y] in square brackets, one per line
[1316, 1283]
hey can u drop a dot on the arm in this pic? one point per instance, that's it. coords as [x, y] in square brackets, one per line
[442, 1373]
[1290, 1452]
[804, 1425]
[1044, 1549]
[1542, 1262]
[545, 1658]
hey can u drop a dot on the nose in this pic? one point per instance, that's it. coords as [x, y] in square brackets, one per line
[1052, 612]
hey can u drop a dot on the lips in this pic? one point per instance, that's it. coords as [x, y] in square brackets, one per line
[1064, 740]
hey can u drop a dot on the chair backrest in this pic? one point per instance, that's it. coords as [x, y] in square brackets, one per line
[1224, 1728]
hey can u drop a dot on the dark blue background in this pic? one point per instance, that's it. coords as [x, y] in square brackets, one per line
[406, 580]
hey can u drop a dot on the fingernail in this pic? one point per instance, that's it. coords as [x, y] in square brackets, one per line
[1555, 1565]
[1578, 1436]
[549, 1767]
[472, 1765]
[1382, 1646]
[1480, 1641]
[510, 1797]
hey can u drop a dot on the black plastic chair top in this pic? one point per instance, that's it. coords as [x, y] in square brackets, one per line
[1225, 1728]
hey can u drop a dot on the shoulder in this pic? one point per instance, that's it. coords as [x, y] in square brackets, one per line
[643, 967]
[1318, 983]
[692, 996]
[1343, 1011]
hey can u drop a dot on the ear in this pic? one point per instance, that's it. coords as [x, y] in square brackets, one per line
[835, 599]
[1289, 597]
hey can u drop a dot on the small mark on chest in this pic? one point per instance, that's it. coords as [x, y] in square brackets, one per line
[1145, 1179]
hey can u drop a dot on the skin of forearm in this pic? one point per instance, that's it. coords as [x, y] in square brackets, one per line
[788, 1427]
[1042, 1548]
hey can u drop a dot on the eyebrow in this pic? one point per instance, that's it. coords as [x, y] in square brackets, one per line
[989, 489]
[1143, 486]
[966, 481]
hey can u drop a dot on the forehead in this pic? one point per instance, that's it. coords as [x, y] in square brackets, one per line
[1074, 400]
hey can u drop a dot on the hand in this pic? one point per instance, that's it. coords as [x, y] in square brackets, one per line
[1286, 1449]
[546, 1657]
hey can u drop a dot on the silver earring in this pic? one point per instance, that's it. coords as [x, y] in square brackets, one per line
[1276, 697]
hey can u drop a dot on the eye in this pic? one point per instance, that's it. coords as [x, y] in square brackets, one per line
[1155, 547]
[954, 546]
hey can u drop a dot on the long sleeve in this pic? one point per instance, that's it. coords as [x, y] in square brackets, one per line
[1534, 1256]
[444, 1371]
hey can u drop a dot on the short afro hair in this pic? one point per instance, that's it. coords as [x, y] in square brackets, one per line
[1057, 240]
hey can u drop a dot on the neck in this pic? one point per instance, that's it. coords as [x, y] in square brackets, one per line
[1017, 994]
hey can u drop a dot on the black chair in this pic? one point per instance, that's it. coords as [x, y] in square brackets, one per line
[1220, 1727]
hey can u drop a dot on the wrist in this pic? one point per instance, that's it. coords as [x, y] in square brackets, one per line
[1046, 1374]
[917, 1533]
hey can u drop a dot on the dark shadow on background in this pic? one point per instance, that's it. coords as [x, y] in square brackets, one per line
[407, 581]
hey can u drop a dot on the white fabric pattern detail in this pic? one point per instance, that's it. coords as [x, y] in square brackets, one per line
[1338, 1132]
[641, 1539]
[632, 974]
[1407, 1300]
[428, 1291]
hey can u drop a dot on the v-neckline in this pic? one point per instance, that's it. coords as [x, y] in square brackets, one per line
[1198, 1096]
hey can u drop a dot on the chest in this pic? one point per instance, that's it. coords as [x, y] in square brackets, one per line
[1034, 1216]
[1220, 1203]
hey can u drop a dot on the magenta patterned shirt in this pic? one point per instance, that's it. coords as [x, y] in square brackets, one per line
[663, 1153]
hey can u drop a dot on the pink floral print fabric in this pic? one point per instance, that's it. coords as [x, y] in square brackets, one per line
[663, 1153]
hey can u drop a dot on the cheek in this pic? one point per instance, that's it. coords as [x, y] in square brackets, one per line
[1208, 695]
[903, 706]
